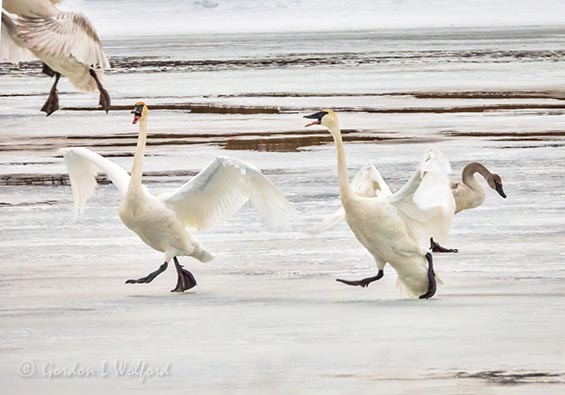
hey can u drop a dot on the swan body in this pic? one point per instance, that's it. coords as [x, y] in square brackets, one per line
[396, 228]
[66, 42]
[163, 222]
[467, 193]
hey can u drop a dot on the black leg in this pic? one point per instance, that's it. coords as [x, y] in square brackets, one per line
[47, 70]
[364, 282]
[104, 96]
[150, 276]
[432, 284]
[185, 280]
[435, 247]
[52, 103]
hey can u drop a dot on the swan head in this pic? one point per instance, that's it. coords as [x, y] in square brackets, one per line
[139, 112]
[327, 118]
[495, 182]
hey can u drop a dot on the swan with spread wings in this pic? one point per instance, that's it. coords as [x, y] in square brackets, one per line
[163, 222]
[396, 228]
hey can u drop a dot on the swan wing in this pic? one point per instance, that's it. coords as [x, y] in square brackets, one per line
[66, 34]
[221, 188]
[426, 201]
[83, 165]
[11, 49]
[368, 182]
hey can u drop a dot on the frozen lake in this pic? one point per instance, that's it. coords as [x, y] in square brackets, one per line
[267, 315]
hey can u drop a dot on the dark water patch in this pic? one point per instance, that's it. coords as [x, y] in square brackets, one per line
[27, 204]
[531, 146]
[415, 94]
[127, 140]
[151, 136]
[294, 144]
[29, 163]
[485, 95]
[457, 109]
[226, 109]
[502, 377]
[347, 59]
[549, 133]
[193, 108]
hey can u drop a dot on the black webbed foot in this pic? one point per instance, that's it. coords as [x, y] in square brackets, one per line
[150, 277]
[104, 101]
[52, 103]
[432, 284]
[435, 247]
[185, 280]
[364, 282]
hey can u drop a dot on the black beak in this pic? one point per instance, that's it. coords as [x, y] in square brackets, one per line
[317, 116]
[499, 189]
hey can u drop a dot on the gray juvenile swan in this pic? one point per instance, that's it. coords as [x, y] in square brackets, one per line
[468, 193]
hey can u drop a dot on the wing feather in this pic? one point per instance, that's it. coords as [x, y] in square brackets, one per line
[83, 165]
[11, 49]
[368, 182]
[219, 191]
[67, 34]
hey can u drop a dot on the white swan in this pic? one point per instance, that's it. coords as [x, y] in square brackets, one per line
[468, 193]
[396, 229]
[161, 222]
[66, 43]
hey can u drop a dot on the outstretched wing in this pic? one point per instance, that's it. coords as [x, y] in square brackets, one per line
[83, 165]
[11, 48]
[219, 191]
[426, 201]
[67, 34]
[368, 182]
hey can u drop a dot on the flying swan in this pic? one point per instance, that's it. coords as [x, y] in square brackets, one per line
[468, 193]
[396, 228]
[161, 222]
[66, 43]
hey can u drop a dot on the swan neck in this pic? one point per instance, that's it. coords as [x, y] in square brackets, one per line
[344, 186]
[137, 169]
[469, 171]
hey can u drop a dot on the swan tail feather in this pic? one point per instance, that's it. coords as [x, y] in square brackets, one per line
[202, 255]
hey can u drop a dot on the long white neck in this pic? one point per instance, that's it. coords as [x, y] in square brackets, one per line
[344, 186]
[137, 169]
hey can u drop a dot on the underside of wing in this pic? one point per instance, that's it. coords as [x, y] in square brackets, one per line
[67, 34]
[426, 201]
[368, 182]
[83, 166]
[11, 49]
[219, 191]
